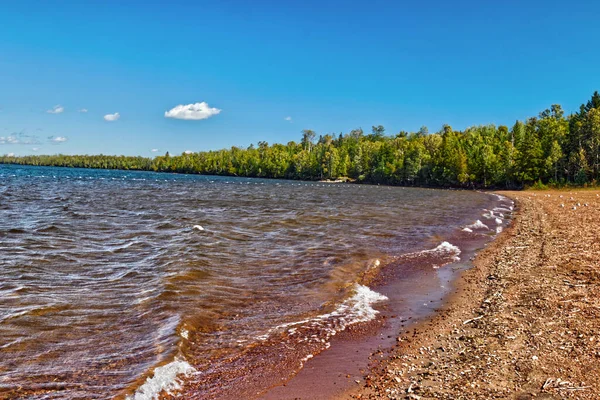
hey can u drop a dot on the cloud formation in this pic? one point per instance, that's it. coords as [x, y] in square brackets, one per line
[57, 139]
[154, 150]
[188, 152]
[83, 110]
[9, 140]
[112, 117]
[288, 119]
[57, 109]
[194, 112]
[19, 138]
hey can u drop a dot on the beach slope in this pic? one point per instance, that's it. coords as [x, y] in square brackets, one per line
[523, 323]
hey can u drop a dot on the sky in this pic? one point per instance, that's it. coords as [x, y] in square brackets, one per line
[144, 78]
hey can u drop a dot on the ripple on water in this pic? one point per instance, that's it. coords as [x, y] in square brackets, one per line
[105, 281]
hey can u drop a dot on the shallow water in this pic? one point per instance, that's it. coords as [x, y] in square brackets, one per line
[104, 276]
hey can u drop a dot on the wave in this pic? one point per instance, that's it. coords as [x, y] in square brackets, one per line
[33, 310]
[488, 214]
[445, 249]
[355, 309]
[500, 197]
[165, 379]
[444, 253]
[15, 230]
[49, 228]
[314, 333]
[477, 225]
[358, 308]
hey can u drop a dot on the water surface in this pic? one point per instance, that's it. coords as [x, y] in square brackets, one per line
[104, 276]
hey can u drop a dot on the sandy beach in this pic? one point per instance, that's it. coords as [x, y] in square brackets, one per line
[523, 323]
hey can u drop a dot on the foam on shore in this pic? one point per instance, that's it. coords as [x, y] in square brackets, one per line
[358, 308]
[355, 309]
[477, 225]
[446, 253]
[488, 214]
[165, 379]
[446, 247]
[443, 249]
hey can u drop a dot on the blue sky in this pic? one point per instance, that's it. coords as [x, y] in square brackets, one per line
[330, 66]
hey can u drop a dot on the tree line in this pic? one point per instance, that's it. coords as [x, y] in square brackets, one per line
[548, 149]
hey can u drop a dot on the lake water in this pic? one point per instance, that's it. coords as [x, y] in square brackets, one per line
[125, 284]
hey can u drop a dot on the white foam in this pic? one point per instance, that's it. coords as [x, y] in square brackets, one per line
[478, 225]
[501, 209]
[498, 221]
[488, 214]
[358, 308]
[308, 357]
[445, 251]
[447, 247]
[355, 309]
[165, 379]
[499, 197]
[184, 333]
[498, 229]
[197, 228]
[467, 230]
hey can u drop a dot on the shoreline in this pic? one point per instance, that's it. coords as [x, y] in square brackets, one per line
[413, 284]
[416, 290]
[522, 323]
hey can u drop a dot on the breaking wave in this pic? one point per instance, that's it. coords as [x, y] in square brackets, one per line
[165, 379]
[355, 309]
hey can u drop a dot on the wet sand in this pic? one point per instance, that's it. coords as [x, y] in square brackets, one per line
[523, 323]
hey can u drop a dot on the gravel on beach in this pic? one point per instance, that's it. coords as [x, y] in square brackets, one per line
[524, 322]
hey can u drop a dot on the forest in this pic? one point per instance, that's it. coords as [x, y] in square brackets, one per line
[550, 149]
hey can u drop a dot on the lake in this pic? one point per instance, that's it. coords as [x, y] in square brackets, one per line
[124, 284]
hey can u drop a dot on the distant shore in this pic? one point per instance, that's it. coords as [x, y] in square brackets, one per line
[551, 149]
[523, 323]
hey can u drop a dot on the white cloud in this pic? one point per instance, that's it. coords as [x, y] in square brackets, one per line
[57, 109]
[83, 110]
[154, 150]
[35, 148]
[112, 117]
[19, 138]
[11, 154]
[195, 111]
[188, 152]
[288, 119]
[57, 139]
